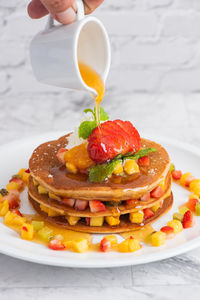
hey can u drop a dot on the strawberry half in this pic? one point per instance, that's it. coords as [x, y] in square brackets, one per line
[191, 204]
[176, 174]
[146, 197]
[56, 245]
[144, 161]
[60, 155]
[157, 192]
[105, 245]
[81, 204]
[68, 201]
[188, 219]
[113, 138]
[148, 213]
[169, 231]
[96, 206]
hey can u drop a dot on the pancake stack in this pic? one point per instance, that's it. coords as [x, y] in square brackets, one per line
[56, 194]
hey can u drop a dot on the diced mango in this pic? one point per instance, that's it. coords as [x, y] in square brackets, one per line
[96, 221]
[129, 245]
[112, 239]
[178, 216]
[12, 186]
[4, 208]
[136, 217]
[195, 186]
[176, 224]
[21, 172]
[37, 225]
[13, 219]
[42, 190]
[49, 211]
[35, 182]
[131, 167]
[72, 220]
[80, 245]
[158, 239]
[45, 233]
[71, 168]
[183, 209]
[184, 177]
[1, 198]
[25, 177]
[53, 196]
[27, 232]
[155, 207]
[112, 221]
[118, 169]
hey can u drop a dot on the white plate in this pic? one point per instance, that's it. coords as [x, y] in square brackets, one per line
[16, 155]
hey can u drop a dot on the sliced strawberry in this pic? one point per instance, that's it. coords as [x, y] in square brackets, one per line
[60, 155]
[130, 203]
[188, 180]
[188, 219]
[81, 204]
[56, 245]
[113, 138]
[157, 192]
[87, 221]
[13, 199]
[27, 171]
[68, 201]
[169, 231]
[18, 181]
[105, 245]
[148, 213]
[191, 204]
[144, 161]
[145, 197]
[176, 174]
[17, 212]
[96, 206]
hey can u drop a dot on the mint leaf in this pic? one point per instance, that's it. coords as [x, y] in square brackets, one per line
[86, 128]
[100, 173]
[139, 154]
[103, 115]
[89, 110]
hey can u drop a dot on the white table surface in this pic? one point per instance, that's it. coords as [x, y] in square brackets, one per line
[176, 116]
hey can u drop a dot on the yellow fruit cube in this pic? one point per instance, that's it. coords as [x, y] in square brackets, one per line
[51, 212]
[25, 177]
[176, 224]
[71, 168]
[112, 239]
[12, 186]
[155, 207]
[195, 186]
[79, 245]
[4, 208]
[112, 221]
[1, 198]
[13, 219]
[42, 190]
[183, 209]
[184, 177]
[131, 167]
[158, 239]
[129, 245]
[136, 217]
[35, 182]
[193, 196]
[53, 196]
[162, 184]
[27, 232]
[96, 221]
[72, 220]
[21, 172]
[118, 169]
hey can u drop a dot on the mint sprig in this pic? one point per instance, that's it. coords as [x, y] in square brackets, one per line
[101, 172]
[86, 127]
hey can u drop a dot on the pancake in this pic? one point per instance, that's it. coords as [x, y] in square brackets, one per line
[125, 224]
[51, 174]
[62, 209]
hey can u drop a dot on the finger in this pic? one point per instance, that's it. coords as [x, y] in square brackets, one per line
[36, 9]
[61, 10]
[91, 5]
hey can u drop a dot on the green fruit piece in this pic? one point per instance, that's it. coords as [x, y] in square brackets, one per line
[37, 225]
[172, 168]
[45, 233]
[183, 210]
[197, 209]
[178, 216]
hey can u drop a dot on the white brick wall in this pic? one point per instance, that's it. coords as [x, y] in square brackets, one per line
[155, 47]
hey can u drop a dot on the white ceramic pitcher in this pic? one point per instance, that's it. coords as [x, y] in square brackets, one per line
[55, 52]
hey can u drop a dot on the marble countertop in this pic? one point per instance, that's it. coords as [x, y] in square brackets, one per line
[174, 115]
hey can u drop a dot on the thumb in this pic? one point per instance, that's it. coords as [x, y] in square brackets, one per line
[62, 10]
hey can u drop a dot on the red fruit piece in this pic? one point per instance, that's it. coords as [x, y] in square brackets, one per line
[191, 204]
[157, 192]
[130, 203]
[68, 201]
[27, 171]
[105, 245]
[56, 245]
[148, 213]
[81, 204]
[176, 174]
[113, 138]
[17, 212]
[60, 155]
[145, 197]
[13, 199]
[188, 219]
[169, 231]
[96, 206]
[188, 180]
[25, 228]
[144, 161]
[18, 181]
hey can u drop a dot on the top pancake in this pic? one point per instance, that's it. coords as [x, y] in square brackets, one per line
[50, 173]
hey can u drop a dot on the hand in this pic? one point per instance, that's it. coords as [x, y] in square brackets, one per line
[64, 11]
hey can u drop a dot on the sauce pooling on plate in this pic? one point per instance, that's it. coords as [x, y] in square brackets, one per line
[93, 80]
